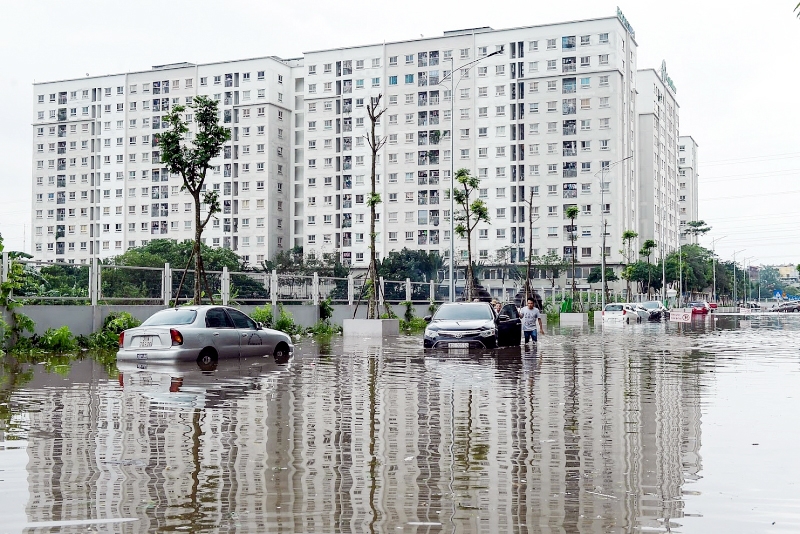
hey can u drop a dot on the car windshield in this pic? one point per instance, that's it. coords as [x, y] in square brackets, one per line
[171, 317]
[651, 305]
[614, 307]
[462, 312]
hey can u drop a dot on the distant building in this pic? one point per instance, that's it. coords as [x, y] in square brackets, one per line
[688, 176]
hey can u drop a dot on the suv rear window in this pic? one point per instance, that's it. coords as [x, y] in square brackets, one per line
[171, 317]
[613, 307]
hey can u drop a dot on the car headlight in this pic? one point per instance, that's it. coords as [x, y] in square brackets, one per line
[431, 333]
[487, 333]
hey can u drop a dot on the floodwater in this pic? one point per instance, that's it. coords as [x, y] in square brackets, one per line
[627, 428]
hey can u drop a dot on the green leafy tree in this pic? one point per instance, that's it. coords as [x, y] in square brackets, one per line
[647, 250]
[696, 228]
[594, 275]
[375, 144]
[552, 264]
[572, 214]
[470, 215]
[627, 252]
[190, 158]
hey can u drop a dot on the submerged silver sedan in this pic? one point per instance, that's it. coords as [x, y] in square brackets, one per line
[202, 334]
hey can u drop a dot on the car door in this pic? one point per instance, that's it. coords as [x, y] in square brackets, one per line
[251, 340]
[510, 330]
[223, 333]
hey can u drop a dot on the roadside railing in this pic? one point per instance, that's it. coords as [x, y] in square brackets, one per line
[96, 283]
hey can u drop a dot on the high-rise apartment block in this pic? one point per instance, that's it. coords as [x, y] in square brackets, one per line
[100, 188]
[657, 158]
[547, 117]
[687, 185]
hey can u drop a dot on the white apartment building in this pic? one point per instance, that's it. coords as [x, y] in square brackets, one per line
[99, 187]
[547, 117]
[687, 185]
[657, 155]
[537, 121]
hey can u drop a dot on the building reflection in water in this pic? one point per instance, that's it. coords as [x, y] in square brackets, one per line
[589, 435]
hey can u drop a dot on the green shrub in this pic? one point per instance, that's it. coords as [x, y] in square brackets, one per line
[263, 315]
[409, 313]
[108, 336]
[285, 322]
[325, 310]
[324, 328]
[58, 340]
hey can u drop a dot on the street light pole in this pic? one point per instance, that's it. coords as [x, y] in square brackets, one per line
[603, 171]
[453, 86]
[714, 267]
[747, 276]
[735, 300]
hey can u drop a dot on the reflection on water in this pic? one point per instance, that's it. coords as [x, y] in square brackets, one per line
[593, 431]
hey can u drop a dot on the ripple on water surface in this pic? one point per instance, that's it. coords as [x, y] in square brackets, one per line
[648, 427]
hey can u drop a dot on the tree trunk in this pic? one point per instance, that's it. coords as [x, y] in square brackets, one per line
[528, 292]
[198, 261]
[468, 288]
[372, 309]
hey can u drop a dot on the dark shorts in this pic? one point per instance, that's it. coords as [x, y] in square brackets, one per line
[530, 334]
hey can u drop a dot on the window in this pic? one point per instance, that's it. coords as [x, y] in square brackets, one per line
[604, 124]
[604, 59]
[603, 81]
[586, 124]
[603, 38]
[604, 144]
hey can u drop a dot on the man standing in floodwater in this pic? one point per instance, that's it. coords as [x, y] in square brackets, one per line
[530, 316]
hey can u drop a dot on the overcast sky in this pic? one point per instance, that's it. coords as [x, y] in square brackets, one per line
[723, 57]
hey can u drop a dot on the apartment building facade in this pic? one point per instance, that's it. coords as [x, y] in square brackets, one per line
[547, 117]
[539, 123]
[99, 186]
[658, 116]
[687, 186]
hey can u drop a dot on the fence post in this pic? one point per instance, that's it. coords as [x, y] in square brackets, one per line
[94, 281]
[4, 271]
[166, 290]
[408, 289]
[433, 291]
[273, 292]
[382, 292]
[351, 289]
[315, 289]
[225, 285]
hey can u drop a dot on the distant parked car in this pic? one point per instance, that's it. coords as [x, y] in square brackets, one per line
[619, 312]
[791, 306]
[637, 311]
[203, 334]
[656, 310]
[698, 307]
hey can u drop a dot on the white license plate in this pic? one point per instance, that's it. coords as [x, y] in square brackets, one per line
[458, 345]
[141, 356]
[146, 341]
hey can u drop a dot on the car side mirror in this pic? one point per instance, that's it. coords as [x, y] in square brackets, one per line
[259, 326]
[503, 317]
[427, 318]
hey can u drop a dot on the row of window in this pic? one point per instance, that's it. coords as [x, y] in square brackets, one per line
[424, 59]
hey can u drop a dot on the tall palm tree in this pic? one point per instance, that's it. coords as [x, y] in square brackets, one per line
[627, 238]
[572, 214]
[647, 250]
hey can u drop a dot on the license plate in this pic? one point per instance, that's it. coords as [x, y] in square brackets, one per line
[458, 345]
[141, 365]
[141, 356]
[146, 341]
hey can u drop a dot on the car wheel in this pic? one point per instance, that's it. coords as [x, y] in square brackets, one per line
[207, 361]
[281, 353]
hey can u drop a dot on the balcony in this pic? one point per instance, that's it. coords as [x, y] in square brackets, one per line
[347, 242]
[570, 152]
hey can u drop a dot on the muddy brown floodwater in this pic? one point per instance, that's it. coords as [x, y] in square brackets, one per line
[634, 428]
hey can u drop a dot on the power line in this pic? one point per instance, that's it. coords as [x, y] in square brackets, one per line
[782, 193]
[750, 159]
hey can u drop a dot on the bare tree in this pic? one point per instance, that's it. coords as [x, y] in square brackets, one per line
[190, 159]
[471, 214]
[375, 144]
[531, 220]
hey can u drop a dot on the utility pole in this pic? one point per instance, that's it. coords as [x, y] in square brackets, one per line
[604, 225]
[735, 300]
[531, 220]
[714, 266]
[453, 87]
